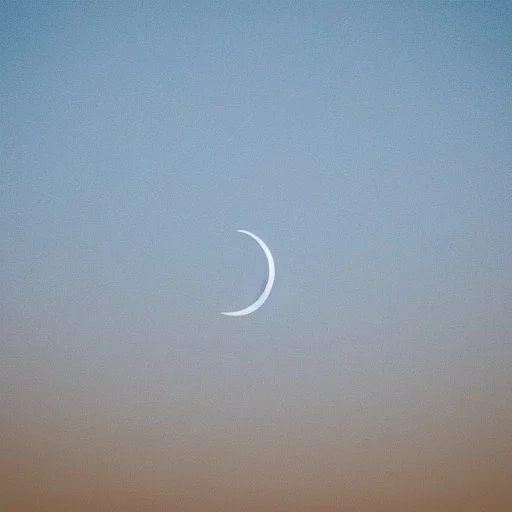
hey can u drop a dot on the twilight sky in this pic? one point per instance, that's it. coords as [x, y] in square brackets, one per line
[368, 144]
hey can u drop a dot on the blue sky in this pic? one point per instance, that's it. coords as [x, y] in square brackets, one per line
[368, 144]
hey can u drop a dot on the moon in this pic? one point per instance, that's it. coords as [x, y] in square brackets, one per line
[270, 282]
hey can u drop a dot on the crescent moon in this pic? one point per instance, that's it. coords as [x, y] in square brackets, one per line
[270, 282]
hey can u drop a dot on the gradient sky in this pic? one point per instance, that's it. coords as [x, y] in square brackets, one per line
[368, 144]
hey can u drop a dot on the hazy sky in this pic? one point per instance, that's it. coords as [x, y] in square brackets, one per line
[368, 144]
